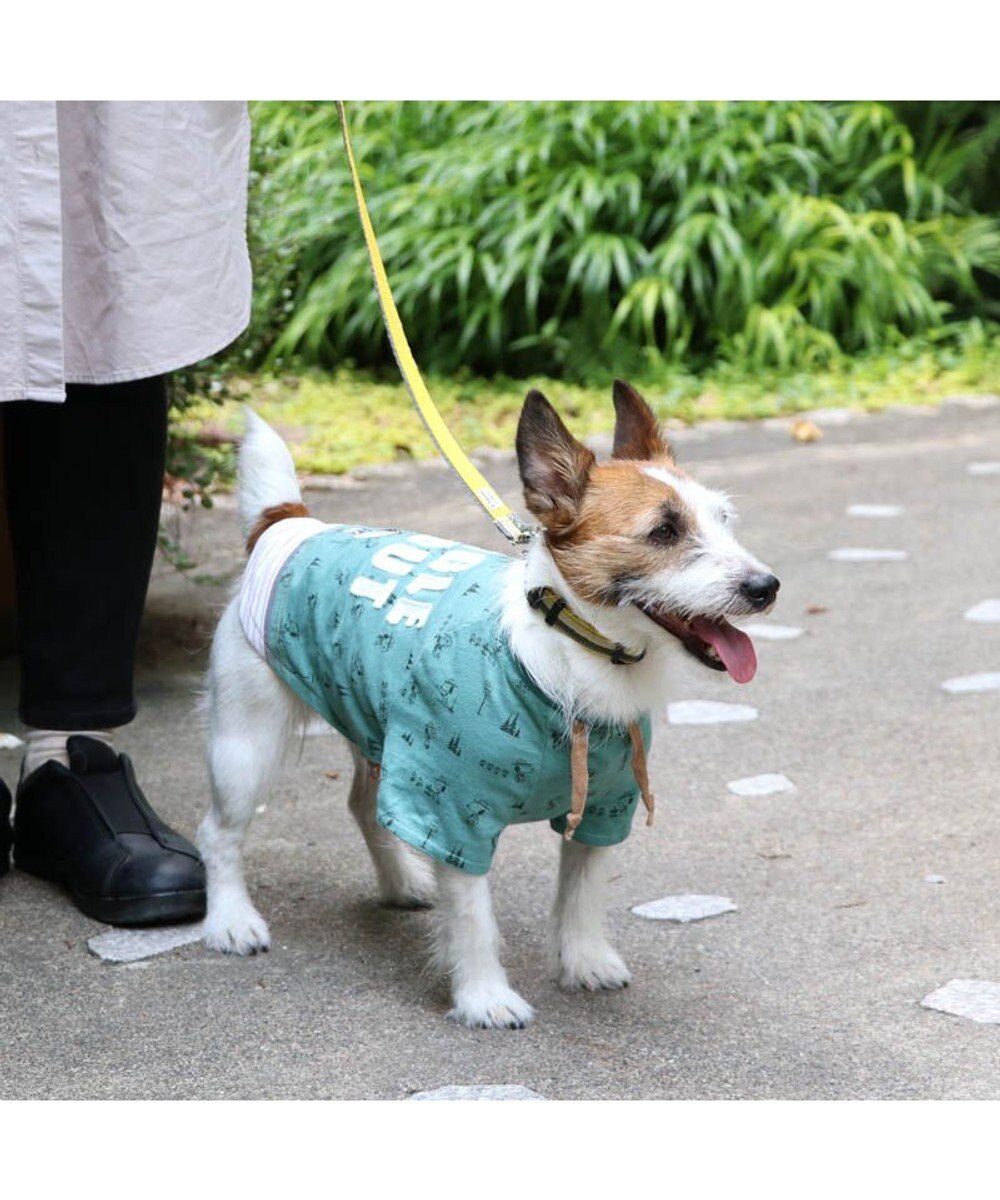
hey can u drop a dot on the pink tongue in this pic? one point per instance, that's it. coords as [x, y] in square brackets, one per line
[731, 644]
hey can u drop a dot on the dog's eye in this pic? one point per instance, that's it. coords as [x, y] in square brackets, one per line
[666, 533]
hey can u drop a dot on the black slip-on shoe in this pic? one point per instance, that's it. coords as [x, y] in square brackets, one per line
[6, 837]
[90, 828]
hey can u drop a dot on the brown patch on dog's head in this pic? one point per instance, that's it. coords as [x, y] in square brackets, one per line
[271, 516]
[628, 527]
[605, 524]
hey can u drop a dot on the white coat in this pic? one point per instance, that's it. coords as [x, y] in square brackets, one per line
[122, 240]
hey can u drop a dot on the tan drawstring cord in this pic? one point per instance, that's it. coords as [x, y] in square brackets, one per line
[579, 747]
[641, 772]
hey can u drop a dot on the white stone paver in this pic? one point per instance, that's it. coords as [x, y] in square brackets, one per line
[130, 945]
[976, 999]
[771, 633]
[708, 712]
[493, 1091]
[874, 510]
[983, 468]
[985, 681]
[865, 554]
[985, 610]
[683, 909]
[760, 785]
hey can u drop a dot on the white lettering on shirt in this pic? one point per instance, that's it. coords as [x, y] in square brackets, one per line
[430, 583]
[413, 613]
[401, 558]
[371, 589]
[398, 559]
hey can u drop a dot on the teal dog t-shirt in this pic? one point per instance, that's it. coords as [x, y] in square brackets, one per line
[395, 639]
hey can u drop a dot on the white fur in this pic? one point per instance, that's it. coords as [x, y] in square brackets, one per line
[466, 945]
[584, 957]
[707, 584]
[584, 683]
[266, 471]
[253, 718]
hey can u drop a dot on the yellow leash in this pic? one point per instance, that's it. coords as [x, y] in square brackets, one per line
[501, 514]
[552, 605]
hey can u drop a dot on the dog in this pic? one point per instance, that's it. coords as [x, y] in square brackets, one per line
[476, 689]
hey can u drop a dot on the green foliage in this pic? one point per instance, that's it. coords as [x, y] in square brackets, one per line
[198, 461]
[576, 238]
[957, 148]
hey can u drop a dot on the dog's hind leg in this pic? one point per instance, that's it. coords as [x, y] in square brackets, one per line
[405, 879]
[252, 717]
[465, 947]
[584, 956]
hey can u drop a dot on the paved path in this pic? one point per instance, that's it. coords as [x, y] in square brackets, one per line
[810, 989]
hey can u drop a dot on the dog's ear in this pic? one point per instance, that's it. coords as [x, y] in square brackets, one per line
[637, 432]
[554, 465]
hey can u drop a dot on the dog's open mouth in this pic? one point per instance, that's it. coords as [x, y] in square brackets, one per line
[712, 640]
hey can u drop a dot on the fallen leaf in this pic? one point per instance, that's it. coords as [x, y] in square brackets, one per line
[814, 610]
[332, 774]
[805, 431]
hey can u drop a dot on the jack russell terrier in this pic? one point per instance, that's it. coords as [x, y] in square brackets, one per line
[476, 690]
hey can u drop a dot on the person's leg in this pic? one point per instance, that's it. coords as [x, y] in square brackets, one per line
[84, 481]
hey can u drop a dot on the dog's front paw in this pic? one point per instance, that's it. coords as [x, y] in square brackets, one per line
[594, 967]
[236, 929]
[497, 1007]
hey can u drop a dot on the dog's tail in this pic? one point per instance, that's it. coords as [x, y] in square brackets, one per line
[268, 489]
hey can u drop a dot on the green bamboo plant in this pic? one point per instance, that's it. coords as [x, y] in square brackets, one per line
[560, 237]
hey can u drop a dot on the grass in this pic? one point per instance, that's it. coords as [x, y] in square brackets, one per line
[338, 422]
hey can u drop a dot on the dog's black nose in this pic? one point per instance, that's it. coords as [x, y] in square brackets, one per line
[760, 590]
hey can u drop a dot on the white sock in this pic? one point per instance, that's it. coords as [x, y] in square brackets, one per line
[42, 744]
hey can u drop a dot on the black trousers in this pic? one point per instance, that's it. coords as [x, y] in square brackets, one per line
[84, 482]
